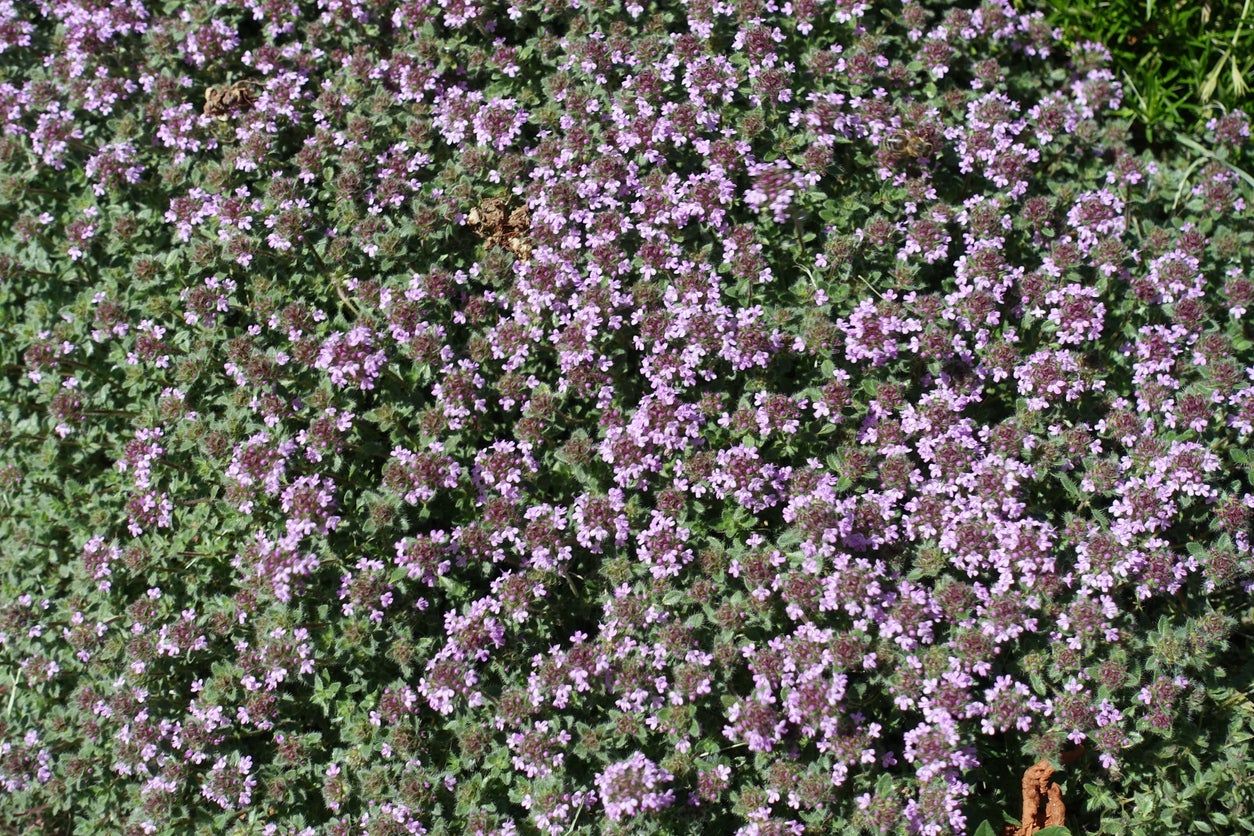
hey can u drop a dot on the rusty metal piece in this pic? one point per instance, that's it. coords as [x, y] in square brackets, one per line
[1055, 810]
[1042, 802]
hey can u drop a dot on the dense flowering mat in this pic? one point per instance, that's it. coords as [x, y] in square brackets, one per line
[576, 417]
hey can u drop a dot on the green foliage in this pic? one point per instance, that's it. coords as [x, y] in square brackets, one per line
[1199, 779]
[1179, 60]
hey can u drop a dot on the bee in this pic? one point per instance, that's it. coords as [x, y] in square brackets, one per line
[907, 145]
[222, 100]
[519, 220]
[520, 247]
[486, 218]
[516, 227]
[490, 221]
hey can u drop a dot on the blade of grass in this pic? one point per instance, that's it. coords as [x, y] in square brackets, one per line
[1189, 143]
[1127, 79]
[1212, 79]
[1184, 180]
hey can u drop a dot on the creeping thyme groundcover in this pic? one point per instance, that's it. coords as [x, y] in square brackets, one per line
[577, 416]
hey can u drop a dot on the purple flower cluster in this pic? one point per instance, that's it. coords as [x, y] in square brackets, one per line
[542, 416]
[633, 787]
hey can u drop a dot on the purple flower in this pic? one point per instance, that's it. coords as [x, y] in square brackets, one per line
[350, 358]
[498, 123]
[634, 786]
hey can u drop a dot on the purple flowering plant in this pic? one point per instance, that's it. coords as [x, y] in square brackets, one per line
[580, 416]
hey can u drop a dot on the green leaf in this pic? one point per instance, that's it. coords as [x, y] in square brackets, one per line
[985, 829]
[1056, 830]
